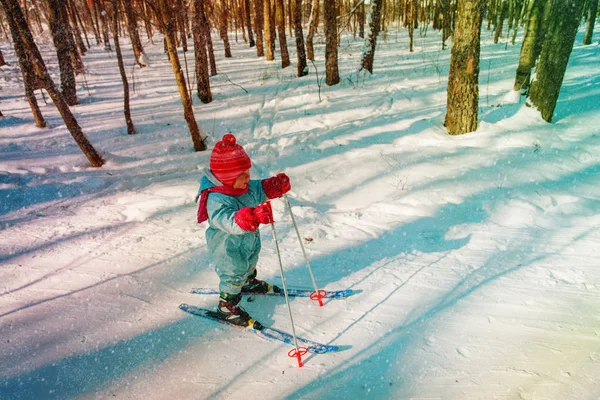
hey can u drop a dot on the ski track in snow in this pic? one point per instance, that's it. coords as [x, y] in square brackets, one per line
[477, 256]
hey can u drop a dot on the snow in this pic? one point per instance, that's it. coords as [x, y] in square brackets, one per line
[476, 256]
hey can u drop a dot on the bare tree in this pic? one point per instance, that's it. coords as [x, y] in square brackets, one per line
[592, 9]
[558, 44]
[332, 73]
[280, 23]
[248, 23]
[19, 25]
[268, 31]
[371, 42]
[223, 21]
[258, 23]
[115, 31]
[132, 28]
[313, 23]
[60, 38]
[463, 78]
[168, 27]
[300, 51]
[202, 80]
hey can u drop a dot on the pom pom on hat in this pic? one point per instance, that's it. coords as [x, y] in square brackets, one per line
[229, 160]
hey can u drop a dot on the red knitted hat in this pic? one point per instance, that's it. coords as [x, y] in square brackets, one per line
[228, 160]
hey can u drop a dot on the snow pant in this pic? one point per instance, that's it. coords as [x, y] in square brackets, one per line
[235, 257]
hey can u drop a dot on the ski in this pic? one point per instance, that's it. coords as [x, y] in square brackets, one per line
[293, 292]
[266, 333]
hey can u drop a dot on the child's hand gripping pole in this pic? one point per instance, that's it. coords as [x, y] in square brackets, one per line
[317, 295]
[298, 352]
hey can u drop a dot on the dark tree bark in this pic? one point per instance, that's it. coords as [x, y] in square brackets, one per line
[332, 73]
[558, 44]
[61, 41]
[280, 23]
[258, 23]
[132, 28]
[502, 12]
[223, 21]
[29, 79]
[591, 20]
[249, 23]
[103, 17]
[463, 79]
[202, 80]
[208, 40]
[268, 31]
[15, 14]
[115, 31]
[369, 54]
[532, 42]
[71, 14]
[300, 51]
[90, 21]
[312, 29]
[2, 62]
[168, 23]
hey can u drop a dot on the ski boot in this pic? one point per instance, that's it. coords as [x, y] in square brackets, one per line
[254, 285]
[229, 310]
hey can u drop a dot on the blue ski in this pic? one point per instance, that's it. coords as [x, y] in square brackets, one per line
[293, 292]
[267, 333]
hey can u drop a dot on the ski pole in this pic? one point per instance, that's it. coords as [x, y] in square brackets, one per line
[317, 294]
[297, 352]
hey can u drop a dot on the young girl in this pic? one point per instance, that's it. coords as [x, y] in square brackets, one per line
[234, 206]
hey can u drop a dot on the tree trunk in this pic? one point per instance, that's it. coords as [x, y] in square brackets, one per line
[280, 23]
[313, 24]
[300, 51]
[61, 43]
[71, 14]
[500, 21]
[132, 27]
[332, 73]
[90, 21]
[223, 22]
[258, 23]
[249, 23]
[463, 89]
[29, 78]
[168, 22]
[100, 11]
[411, 27]
[115, 31]
[591, 20]
[15, 15]
[202, 80]
[361, 21]
[532, 42]
[2, 62]
[207, 40]
[558, 44]
[147, 21]
[268, 28]
[371, 42]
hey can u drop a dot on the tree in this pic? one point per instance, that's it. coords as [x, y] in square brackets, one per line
[29, 79]
[463, 86]
[258, 23]
[532, 42]
[300, 51]
[591, 20]
[371, 39]
[17, 22]
[280, 23]
[558, 44]
[2, 62]
[115, 30]
[61, 43]
[168, 27]
[249, 23]
[223, 22]
[132, 28]
[313, 23]
[203, 82]
[332, 73]
[268, 31]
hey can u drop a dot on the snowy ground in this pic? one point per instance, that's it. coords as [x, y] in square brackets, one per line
[477, 256]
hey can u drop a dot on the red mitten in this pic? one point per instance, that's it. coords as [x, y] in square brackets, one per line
[284, 182]
[276, 186]
[246, 220]
[264, 213]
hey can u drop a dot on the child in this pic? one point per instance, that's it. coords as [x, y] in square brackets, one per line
[233, 205]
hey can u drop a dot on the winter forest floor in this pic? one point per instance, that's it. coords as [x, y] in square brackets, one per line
[477, 256]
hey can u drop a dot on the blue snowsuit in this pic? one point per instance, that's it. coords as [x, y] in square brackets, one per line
[233, 250]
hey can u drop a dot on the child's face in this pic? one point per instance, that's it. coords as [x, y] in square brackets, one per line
[241, 182]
